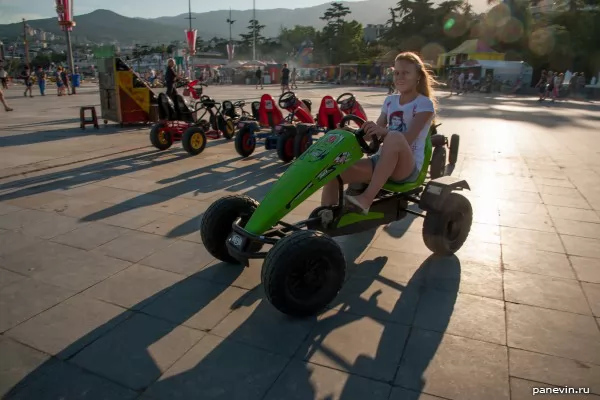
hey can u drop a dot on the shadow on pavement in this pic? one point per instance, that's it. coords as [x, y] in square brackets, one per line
[55, 135]
[253, 351]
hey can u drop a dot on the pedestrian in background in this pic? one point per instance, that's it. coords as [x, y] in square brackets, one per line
[41, 79]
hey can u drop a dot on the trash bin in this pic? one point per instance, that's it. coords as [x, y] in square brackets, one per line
[76, 80]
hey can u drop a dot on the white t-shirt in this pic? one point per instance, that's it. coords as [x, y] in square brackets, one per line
[461, 77]
[471, 75]
[400, 117]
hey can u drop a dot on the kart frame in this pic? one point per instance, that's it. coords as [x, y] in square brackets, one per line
[429, 196]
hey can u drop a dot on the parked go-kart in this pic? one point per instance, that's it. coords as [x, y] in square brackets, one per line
[218, 122]
[177, 122]
[350, 106]
[438, 159]
[329, 117]
[237, 113]
[278, 132]
[305, 269]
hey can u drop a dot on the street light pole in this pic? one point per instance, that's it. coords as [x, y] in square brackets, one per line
[254, 30]
[26, 44]
[70, 59]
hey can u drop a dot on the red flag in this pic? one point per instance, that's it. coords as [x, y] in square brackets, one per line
[64, 9]
[191, 40]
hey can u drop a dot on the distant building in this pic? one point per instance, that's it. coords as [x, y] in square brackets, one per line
[372, 32]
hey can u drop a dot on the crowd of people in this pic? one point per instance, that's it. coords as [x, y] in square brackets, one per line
[551, 82]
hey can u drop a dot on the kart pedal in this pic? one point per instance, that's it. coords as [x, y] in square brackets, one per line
[326, 217]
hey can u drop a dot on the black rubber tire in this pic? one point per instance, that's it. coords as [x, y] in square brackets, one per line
[454, 145]
[227, 128]
[457, 215]
[186, 140]
[285, 145]
[242, 140]
[302, 141]
[437, 167]
[215, 226]
[291, 253]
[154, 139]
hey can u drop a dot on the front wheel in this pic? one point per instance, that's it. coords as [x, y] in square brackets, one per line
[445, 231]
[303, 273]
[194, 140]
[245, 142]
[227, 128]
[160, 137]
[216, 223]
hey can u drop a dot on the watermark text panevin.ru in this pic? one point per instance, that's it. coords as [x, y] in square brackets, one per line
[559, 390]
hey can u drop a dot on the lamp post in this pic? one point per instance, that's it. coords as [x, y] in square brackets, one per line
[64, 9]
[191, 40]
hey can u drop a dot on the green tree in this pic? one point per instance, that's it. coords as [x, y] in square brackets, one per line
[254, 28]
[334, 16]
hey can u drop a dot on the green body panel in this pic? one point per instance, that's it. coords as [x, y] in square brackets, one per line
[323, 161]
[351, 218]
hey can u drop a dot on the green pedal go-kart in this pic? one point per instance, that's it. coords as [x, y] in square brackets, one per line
[305, 268]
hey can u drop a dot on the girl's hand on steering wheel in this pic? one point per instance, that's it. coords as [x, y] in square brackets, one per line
[374, 130]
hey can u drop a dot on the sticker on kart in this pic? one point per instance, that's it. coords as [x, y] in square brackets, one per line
[342, 158]
[319, 150]
[329, 103]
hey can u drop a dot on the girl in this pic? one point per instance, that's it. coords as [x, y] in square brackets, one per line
[403, 125]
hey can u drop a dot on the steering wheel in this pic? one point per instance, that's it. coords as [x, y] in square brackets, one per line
[359, 134]
[239, 103]
[346, 101]
[287, 99]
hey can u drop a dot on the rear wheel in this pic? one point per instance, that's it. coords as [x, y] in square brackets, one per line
[437, 168]
[194, 140]
[216, 223]
[285, 145]
[160, 137]
[303, 273]
[445, 231]
[302, 141]
[245, 142]
[454, 143]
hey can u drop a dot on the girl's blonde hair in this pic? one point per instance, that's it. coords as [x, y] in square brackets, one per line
[426, 80]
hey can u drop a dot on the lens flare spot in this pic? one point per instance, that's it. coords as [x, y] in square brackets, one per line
[511, 31]
[541, 41]
[449, 24]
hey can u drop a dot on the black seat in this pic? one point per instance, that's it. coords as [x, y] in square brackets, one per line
[229, 110]
[182, 110]
[308, 104]
[166, 108]
[255, 107]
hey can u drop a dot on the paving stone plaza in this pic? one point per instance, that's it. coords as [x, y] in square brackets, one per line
[107, 292]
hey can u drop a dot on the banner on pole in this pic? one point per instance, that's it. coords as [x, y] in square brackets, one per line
[230, 51]
[191, 40]
[64, 9]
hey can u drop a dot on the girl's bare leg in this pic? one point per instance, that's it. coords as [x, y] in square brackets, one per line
[396, 162]
[360, 172]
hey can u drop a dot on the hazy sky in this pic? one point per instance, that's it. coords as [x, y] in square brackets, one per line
[14, 10]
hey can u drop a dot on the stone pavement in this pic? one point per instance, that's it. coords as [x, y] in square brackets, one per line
[106, 291]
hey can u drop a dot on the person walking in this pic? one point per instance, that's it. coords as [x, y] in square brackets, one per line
[285, 79]
[26, 76]
[294, 77]
[259, 78]
[3, 77]
[3, 101]
[41, 80]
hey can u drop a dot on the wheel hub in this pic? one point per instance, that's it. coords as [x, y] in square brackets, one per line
[308, 279]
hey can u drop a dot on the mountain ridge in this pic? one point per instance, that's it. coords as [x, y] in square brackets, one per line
[107, 26]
